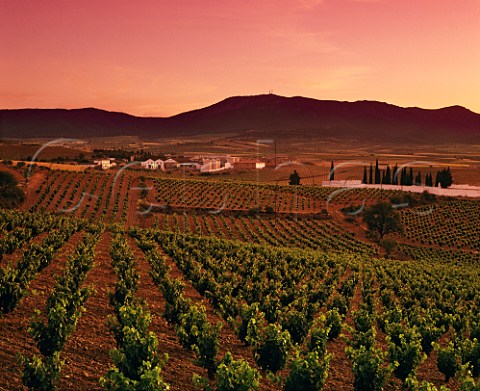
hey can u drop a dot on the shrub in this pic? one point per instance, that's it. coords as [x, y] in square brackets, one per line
[334, 323]
[296, 323]
[319, 335]
[272, 349]
[414, 385]
[448, 361]
[466, 381]
[196, 333]
[404, 350]
[137, 365]
[428, 330]
[236, 375]
[41, 373]
[470, 353]
[368, 370]
[269, 209]
[365, 339]
[475, 330]
[339, 303]
[363, 320]
[252, 317]
[309, 373]
[392, 316]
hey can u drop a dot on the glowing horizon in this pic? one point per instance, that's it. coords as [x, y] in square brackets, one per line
[160, 58]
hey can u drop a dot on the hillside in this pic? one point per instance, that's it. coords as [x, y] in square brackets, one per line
[308, 279]
[267, 115]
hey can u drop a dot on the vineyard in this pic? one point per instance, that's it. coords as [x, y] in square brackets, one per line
[93, 196]
[453, 225]
[145, 282]
[108, 195]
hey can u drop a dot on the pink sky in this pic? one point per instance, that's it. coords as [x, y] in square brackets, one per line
[158, 57]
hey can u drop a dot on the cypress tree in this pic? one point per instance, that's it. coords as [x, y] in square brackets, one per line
[402, 177]
[418, 179]
[377, 173]
[364, 179]
[388, 176]
[410, 177]
[332, 171]
[429, 180]
[371, 174]
[395, 175]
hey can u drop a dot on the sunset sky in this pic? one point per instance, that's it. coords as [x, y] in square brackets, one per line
[159, 58]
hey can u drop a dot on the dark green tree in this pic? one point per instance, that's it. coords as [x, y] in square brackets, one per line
[388, 176]
[10, 195]
[381, 218]
[7, 181]
[418, 179]
[364, 179]
[294, 178]
[332, 172]
[406, 177]
[377, 173]
[371, 175]
[444, 178]
[429, 180]
[395, 175]
[403, 177]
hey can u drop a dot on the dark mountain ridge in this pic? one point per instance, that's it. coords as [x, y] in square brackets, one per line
[271, 115]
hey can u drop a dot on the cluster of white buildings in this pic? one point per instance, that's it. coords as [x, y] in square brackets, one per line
[159, 164]
[105, 164]
[204, 165]
[209, 164]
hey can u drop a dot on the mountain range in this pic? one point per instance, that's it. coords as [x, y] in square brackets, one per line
[259, 115]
